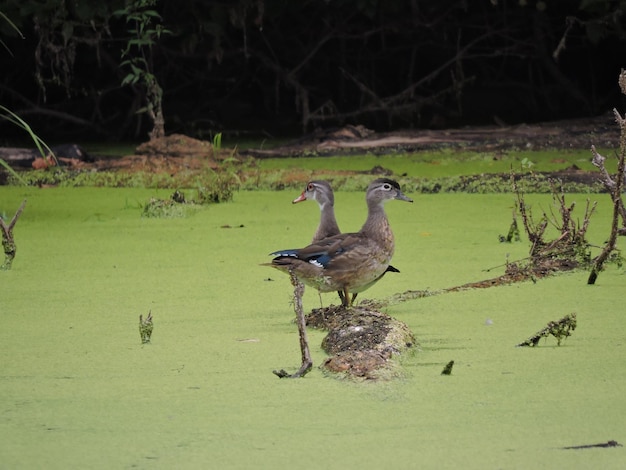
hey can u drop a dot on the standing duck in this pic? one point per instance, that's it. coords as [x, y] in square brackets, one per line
[348, 262]
[321, 192]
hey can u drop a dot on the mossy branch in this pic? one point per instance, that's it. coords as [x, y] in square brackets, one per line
[560, 329]
[8, 242]
[145, 328]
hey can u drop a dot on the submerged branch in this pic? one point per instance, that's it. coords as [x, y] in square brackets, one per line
[602, 445]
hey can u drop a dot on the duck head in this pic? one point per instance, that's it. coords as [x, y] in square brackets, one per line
[319, 191]
[382, 190]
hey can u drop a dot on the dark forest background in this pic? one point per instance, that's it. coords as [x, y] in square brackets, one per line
[105, 70]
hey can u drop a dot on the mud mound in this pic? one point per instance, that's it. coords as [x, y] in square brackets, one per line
[176, 145]
[363, 342]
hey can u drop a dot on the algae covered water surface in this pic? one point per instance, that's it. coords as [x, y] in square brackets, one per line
[79, 390]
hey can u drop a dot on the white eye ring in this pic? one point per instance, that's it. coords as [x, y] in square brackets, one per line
[386, 186]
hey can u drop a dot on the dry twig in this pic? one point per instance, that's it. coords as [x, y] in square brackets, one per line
[307, 362]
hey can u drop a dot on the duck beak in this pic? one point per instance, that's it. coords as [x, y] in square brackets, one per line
[402, 197]
[300, 198]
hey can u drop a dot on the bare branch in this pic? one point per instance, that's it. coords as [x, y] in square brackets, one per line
[598, 161]
[615, 186]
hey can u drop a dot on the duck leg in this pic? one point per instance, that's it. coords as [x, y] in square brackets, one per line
[307, 362]
[346, 300]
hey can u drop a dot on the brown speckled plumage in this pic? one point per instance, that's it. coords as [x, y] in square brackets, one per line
[350, 262]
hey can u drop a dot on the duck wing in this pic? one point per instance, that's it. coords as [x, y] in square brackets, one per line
[324, 253]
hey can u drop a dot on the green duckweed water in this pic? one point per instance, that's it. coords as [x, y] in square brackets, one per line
[447, 162]
[79, 390]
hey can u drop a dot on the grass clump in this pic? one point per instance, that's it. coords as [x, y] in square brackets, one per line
[217, 187]
[216, 190]
[164, 209]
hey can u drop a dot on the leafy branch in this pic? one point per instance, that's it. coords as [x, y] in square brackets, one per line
[145, 31]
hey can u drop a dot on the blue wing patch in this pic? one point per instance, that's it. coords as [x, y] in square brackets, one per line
[291, 252]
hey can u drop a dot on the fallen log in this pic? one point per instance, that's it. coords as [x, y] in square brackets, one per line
[25, 157]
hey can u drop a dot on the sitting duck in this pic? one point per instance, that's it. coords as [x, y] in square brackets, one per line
[348, 262]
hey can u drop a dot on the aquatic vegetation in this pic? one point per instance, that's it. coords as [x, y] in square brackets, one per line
[8, 240]
[560, 329]
[426, 173]
[145, 328]
[216, 187]
[164, 208]
[202, 393]
[447, 370]
[178, 205]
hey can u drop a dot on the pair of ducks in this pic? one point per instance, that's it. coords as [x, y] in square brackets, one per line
[348, 263]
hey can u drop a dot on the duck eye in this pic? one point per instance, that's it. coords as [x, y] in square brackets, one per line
[387, 187]
[310, 187]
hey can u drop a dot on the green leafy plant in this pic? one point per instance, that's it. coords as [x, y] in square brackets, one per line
[526, 164]
[164, 209]
[217, 142]
[145, 30]
[217, 187]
